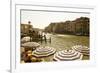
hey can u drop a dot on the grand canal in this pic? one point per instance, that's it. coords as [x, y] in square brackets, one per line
[62, 42]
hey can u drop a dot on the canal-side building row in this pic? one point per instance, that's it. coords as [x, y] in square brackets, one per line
[27, 30]
[80, 26]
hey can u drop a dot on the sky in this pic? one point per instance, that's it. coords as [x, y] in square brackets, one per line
[41, 19]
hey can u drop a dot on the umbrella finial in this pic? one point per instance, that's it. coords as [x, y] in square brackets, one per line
[67, 49]
[29, 22]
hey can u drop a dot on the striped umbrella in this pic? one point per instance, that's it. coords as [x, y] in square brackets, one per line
[83, 49]
[44, 51]
[32, 45]
[67, 55]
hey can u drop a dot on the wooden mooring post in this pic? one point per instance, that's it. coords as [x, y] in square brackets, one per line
[44, 38]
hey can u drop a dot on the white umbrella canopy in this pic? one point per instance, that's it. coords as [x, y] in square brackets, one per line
[67, 55]
[83, 49]
[44, 51]
[22, 49]
[25, 39]
[33, 45]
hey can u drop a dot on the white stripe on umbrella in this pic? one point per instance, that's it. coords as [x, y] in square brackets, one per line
[44, 51]
[83, 49]
[67, 55]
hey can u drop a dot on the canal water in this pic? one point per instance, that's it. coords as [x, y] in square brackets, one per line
[62, 42]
